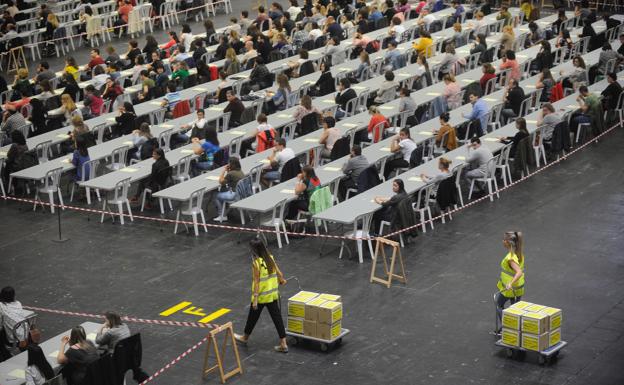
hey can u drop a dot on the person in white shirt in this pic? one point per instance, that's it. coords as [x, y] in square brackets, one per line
[315, 32]
[38, 369]
[281, 154]
[186, 38]
[396, 30]
[11, 312]
[294, 9]
[250, 52]
[404, 145]
[426, 18]
[234, 26]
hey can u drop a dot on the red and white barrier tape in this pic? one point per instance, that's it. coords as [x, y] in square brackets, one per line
[126, 318]
[176, 360]
[326, 236]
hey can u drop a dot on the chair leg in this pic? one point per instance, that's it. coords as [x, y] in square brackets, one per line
[423, 226]
[461, 197]
[279, 237]
[195, 224]
[342, 243]
[496, 187]
[121, 216]
[472, 182]
[203, 218]
[51, 195]
[71, 194]
[36, 199]
[129, 210]
[360, 251]
[430, 217]
[143, 199]
[103, 212]
[489, 184]
[370, 246]
[175, 228]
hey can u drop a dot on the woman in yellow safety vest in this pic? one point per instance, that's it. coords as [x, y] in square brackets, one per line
[511, 281]
[266, 277]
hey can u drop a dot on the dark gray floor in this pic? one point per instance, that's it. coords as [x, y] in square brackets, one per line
[433, 330]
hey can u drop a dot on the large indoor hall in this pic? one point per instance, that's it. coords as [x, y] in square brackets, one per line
[418, 192]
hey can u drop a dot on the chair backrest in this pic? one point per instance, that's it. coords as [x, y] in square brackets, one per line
[234, 147]
[158, 116]
[120, 192]
[473, 61]
[183, 167]
[256, 175]
[377, 132]
[42, 150]
[127, 355]
[25, 129]
[53, 178]
[244, 188]
[352, 107]
[503, 159]
[164, 139]
[490, 86]
[292, 99]
[196, 199]
[288, 131]
[119, 155]
[362, 99]
[491, 166]
[98, 132]
[504, 77]
[525, 106]
[223, 122]
[89, 169]
[256, 105]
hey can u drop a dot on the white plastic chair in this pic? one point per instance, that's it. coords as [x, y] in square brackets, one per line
[288, 131]
[118, 158]
[43, 151]
[193, 209]
[223, 122]
[489, 179]
[1, 181]
[540, 151]
[277, 221]
[423, 206]
[164, 139]
[158, 116]
[457, 171]
[120, 196]
[92, 166]
[503, 165]
[361, 229]
[182, 169]
[51, 185]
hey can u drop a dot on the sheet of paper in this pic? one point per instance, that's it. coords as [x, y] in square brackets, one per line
[287, 191]
[91, 336]
[385, 149]
[53, 354]
[3, 153]
[460, 157]
[200, 89]
[330, 168]
[66, 160]
[63, 136]
[309, 82]
[265, 161]
[185, 151]
[415, 179]
[311, 140]
[216, 109]
[236, 132]
[428, 133]
[212, 177]
[532, 121]
[350, 125]
[490, 99]
[110, 119]
[155, 103]
[403, 74]
[166, 125]
[344, 69]
[434, 93]
[572, 106]
[128, 143]
[358, 87]
[283, 116]
[129, 169]
[18, 373]
[386, 108]
[491, 139]
[328, 101]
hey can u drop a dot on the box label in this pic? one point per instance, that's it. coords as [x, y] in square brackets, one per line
[510, 337]
[554, 337]
[295, 325]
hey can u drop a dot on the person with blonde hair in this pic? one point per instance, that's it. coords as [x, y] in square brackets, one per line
[511, 280]
[68, 108]
[507, 40]
[452, 92]
[22, 83]
[231, 65]
[479, 24]
[442, 173]
[279, 99]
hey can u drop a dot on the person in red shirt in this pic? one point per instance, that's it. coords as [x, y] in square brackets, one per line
[489, 72]
[124, 10]
[96, 59]
[376, 119]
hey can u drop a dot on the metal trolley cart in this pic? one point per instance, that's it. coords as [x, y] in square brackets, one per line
[326, 345]
[545, 356]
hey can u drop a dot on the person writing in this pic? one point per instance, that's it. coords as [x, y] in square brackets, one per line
[111, 332]
[443, 173]
[78, 356]
[511, 281]
[266, 276]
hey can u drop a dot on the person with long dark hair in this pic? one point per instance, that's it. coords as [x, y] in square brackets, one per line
[306, 185]
[125, 120]
[80, 157]
[38, 369]
[266, 277]
[111, 332]
[79, 355]
[389, 205]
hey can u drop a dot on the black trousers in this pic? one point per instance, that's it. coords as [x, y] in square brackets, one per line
[393, 165]
[276, 316]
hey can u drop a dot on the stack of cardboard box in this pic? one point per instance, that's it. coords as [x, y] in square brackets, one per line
[315, 315]
[531, 326]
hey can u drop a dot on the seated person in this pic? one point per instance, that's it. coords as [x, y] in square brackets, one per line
[280, 155]
[352, 169]
[157, 180]
[308, 183]
[11, 313]
[401, 144]
[113, 330]
[206, 151]
[229, 178]
[443, 173]
[329, 136]
[265, 136]
[451, 139]
[388, 205]
[79, 355]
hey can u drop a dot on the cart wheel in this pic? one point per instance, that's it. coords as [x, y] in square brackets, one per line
[338, 342]
[541, 359]
[509, 353]
[295, 341]
[324, 347]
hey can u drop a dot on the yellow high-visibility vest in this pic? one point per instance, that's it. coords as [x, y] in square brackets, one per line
[267, 292]
[507, 274]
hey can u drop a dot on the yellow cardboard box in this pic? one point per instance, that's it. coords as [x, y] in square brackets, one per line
[511, 337]
[554, 317]
[311, 308]
[328, 332]
[535, 342]
[512, 318]
[331, 297]
[309, 328]
[329, 312]
[534, 323]
[521, 305]
[296, 303]
[554, 337]
[535, 308]
[295, 325]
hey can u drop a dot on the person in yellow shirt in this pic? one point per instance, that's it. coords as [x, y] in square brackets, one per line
[71, 67]
[424, 45]
[511, 280]
[526, 8]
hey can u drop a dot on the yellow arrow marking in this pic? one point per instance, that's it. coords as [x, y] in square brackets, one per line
[214, 315]
[175, 308]
[191, 311]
